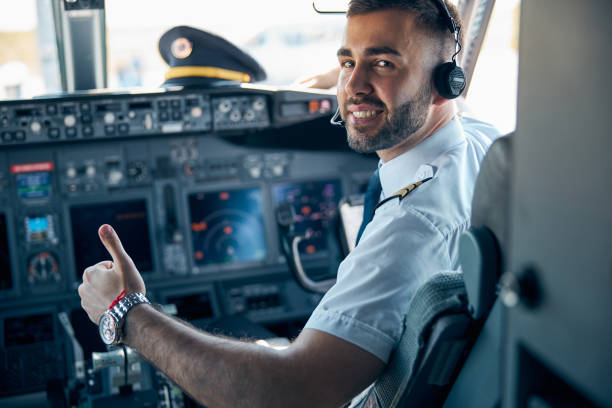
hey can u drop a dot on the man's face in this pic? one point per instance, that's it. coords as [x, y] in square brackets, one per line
[384, 90]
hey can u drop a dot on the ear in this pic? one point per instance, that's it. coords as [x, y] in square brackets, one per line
[439, 100]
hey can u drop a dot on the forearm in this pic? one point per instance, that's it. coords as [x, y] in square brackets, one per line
[217, 372]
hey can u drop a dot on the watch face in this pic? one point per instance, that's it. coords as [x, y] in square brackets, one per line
[108, 329]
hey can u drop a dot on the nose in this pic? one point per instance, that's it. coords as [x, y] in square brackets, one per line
[358, 82]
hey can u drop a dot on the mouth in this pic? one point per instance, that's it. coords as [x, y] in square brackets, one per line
[361, 116]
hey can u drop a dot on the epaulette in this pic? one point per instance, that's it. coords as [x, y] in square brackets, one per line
[402, 193]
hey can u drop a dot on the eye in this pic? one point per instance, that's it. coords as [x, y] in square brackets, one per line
[383, 64]
[347, 64]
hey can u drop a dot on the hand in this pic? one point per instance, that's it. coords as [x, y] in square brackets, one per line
[103, 282]
[322, 81]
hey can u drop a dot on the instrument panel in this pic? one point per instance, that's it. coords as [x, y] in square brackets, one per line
[189, 179]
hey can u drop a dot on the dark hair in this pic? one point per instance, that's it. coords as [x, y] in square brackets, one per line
[429, 18]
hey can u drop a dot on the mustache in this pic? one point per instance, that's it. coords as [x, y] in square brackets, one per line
[366, 100]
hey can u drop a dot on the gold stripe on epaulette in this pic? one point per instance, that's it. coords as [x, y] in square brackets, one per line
[207, 72]
[403, 192]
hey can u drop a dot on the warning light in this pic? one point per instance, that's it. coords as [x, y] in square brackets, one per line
[199, 226]
[224, 195]
[310, 249]
[313, 106]
[325, 106]
[306, 210]
[228, 230]
[199, 255]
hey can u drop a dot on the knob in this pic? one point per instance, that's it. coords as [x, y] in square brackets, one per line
[109, 118]
[196, 111]
[249, 115]
[71, 172]
[148, 121]
[255, 172]
[235, 116]
[90, 170]
[69, 120]
[522, 288]
[114, 177]
[35, 127]
[259, 104]
[225, 106]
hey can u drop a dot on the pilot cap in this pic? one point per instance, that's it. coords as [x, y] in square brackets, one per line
[196, 57]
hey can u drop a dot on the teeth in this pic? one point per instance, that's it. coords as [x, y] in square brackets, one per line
[364, 114]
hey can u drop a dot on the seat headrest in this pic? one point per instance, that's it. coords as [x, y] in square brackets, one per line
[482, 247]
[491, 201]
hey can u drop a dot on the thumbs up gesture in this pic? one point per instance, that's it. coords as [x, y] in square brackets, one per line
[103, 281]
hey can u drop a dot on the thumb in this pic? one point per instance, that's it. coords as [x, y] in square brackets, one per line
[112, 243]
[131, 277]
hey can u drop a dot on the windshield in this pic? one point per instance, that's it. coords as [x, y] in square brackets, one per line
[288, 38]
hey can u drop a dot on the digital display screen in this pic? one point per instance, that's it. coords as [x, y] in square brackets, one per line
[21, 331]
[227, 227]
[6, 280]
[128, 218]
[39, 229]
[315, 204]
[34, 185]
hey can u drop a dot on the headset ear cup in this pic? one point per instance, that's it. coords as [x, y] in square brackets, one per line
[449, 80]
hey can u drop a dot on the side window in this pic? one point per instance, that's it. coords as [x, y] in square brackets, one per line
[493, 90]
[28, 54]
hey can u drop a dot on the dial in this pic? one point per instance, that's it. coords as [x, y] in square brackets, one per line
[43, 268]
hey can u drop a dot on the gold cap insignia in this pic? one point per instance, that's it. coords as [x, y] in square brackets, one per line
[181, 48]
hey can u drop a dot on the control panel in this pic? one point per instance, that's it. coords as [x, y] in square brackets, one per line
[190, 180]
[109, 116]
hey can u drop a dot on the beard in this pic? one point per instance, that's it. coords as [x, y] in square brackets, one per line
[399, 124]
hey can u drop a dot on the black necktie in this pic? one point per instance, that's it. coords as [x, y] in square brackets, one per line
[370, 201]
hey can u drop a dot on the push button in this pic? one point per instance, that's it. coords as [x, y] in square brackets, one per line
[124, 128]
[20, 136]
[7, 137]
[87, 131]
[53, 133]
[71, 133]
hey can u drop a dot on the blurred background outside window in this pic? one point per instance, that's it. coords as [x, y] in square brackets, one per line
[288, 38]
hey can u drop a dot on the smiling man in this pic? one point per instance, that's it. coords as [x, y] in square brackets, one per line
[391, 105]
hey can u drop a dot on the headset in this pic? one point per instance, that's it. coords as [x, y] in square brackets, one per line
[449, 78]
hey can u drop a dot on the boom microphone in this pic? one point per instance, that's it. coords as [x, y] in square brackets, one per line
[337, 119]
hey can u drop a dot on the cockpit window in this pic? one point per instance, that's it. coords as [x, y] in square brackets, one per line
[492, 93]
[28, 50]
[288, 38]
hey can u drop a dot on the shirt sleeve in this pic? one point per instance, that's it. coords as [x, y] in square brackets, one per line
[399, 250]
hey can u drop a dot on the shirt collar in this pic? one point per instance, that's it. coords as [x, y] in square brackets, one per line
[402, 170]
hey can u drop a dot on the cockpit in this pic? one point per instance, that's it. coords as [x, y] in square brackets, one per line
[201, 132]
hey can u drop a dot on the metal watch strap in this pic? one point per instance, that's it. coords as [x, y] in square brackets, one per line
[121, 309]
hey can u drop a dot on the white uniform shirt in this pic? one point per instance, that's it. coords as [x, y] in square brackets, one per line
[408, 240]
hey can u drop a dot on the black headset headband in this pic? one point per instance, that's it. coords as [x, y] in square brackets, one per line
[450, 21]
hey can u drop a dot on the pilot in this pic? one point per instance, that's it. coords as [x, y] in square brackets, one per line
[199, 58]
[390, 105]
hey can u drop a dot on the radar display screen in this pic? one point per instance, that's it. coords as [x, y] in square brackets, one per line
[227, 227]
[128, 218]
[6, 280]
[315, 204]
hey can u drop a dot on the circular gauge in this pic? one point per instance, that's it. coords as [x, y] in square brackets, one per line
[43, 268]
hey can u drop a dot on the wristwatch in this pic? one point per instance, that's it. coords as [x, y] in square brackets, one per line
[111, 322]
